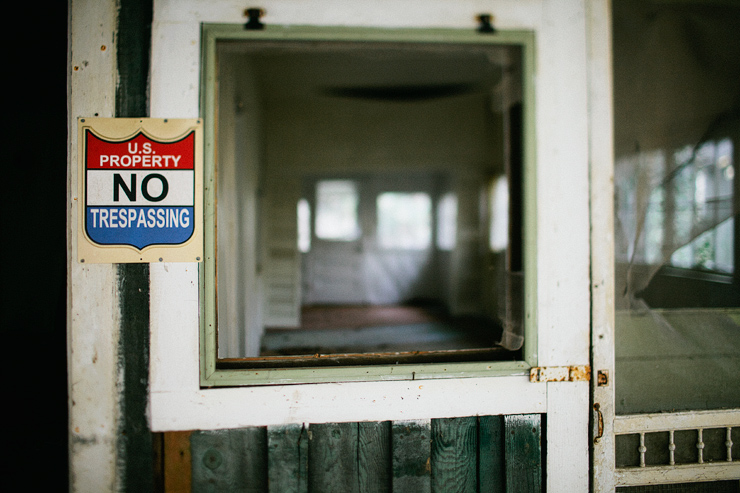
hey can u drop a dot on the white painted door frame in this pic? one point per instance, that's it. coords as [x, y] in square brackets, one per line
[601, 164]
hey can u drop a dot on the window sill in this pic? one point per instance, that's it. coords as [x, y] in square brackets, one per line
[228, 373]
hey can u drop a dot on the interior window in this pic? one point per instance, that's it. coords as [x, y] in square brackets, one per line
[681, 205]
[336, 210]
[404, 220]
[697, 191]
[447, 222]
[304, 226]
[710, 251]
[499, 214]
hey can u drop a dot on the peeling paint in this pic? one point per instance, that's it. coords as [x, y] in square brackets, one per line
[560, 374]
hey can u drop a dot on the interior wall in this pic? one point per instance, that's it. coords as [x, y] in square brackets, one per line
[456, 137]
[340, 134]
[676, 70]
[238, 162]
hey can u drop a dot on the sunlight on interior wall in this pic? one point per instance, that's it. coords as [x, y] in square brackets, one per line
[304, 225]
[499, 214]
[447, 222]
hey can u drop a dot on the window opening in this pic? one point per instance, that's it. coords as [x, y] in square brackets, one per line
[711, 180]
[447, 222]
[304, 226]
[499, 214]
[679, 211]
[336, 210]
[404, 220]
[316, 269]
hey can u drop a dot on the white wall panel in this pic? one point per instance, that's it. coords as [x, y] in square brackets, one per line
[346, 402]
[92, 299]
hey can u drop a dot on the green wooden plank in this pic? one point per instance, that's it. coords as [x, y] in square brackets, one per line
[455, 455]
[287, 458]
[523, 445]
[491, 476]
[411, 456]
[229, 460]
[374, 457]
[332, 451]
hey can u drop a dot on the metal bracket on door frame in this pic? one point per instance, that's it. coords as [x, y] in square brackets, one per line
[540, 374]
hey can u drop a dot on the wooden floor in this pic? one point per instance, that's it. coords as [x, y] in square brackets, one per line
[372, 329]
[355, 317]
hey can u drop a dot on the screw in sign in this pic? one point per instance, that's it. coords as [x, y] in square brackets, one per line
[140, 191]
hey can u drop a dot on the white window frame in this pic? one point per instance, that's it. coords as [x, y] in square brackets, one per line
[214, 376]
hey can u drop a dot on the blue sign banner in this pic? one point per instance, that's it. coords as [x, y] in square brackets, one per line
[140, 226]
[139, 192]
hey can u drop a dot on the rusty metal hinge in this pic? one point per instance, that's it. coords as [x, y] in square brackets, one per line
[560, 374]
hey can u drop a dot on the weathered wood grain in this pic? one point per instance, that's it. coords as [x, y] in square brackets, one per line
[229, 460]
[374, 457]
[523, 453]
[455, 455]
[491, 475]
[332, 451]
[468, 455]
[177, 462]
[411, 456]
[287, 459]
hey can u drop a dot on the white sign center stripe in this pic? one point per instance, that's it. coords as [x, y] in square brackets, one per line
[140, 188]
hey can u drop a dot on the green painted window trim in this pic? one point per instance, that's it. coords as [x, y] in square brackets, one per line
[210, 375]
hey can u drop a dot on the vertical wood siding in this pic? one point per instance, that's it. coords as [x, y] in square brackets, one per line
[287, 458]
[469, 454]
